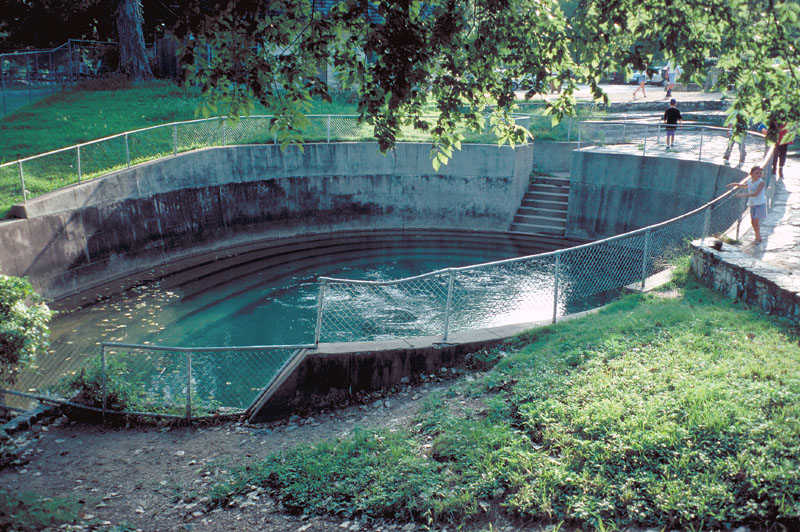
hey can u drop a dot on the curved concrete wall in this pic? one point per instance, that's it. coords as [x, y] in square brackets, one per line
[212, 199]
[613, 193]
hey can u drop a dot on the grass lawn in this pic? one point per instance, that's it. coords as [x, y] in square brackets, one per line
[678, 412]
[78, 116]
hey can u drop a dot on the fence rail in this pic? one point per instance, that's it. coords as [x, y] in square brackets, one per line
[33, 176]
[188, 382]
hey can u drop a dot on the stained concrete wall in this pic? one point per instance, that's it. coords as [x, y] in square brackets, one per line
[612, 193]
[553, 156]
[155, 213]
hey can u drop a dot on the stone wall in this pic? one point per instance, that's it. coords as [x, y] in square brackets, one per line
[744, 278]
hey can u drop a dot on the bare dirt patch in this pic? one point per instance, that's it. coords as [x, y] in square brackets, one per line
[157, 479]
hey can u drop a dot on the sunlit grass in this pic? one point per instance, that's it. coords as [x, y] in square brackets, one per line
[681, 412]
[73, 117]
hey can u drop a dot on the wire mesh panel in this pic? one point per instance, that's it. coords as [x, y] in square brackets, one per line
[502, 293]
[233, 379]
[251, 130]
[199, 134]
[152, 143]
[726, 214]
[50, 171]
[102, 157]
[347, 128]
[10, 187]
[668, 242]
[161, 380]
[592, 271]
[146, 380]
[354, 311]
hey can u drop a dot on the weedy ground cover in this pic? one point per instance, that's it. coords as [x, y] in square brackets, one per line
[679, 412]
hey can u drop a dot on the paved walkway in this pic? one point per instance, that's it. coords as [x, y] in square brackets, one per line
[781, 230]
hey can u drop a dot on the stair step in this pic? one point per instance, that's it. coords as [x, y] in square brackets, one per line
[541, 196]
[542, 221]
[561, 214]
[535, 229]
[544, 204]
[550, 181]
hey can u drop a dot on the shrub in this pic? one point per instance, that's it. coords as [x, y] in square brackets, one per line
[122, 392]
[23, 325]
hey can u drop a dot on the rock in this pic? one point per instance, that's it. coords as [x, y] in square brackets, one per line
[378, 403]
[405, 380]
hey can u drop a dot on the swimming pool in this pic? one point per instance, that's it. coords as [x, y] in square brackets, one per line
[269, 295]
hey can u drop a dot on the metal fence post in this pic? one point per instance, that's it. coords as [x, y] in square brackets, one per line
[579, 134]
[22, 182]
[700, 155]
[127, 151]
[224, 131]
[329, 128]
[175, 139]
[189, 385]
[555, 288]
[569, 127]
[707, 223]
[644, 146]
[80, 172]
[448, 304]
[103, 385]
[320, 301]
[3, 79]
[645, 252]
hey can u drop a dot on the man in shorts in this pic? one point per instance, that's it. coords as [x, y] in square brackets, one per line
[671, 117]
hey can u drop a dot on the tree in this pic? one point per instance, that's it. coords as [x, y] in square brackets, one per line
[406, 58]
[132, 52]
[23, 326]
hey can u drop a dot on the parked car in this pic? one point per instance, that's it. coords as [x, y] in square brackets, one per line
[523, 83]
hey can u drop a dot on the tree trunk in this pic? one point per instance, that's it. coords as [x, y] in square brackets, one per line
[132, 53]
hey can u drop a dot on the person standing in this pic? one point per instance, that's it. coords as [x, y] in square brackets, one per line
[674, 74]
[642, 81]
[672, 116]
[732, 140]
[781, 147]
[756, 199]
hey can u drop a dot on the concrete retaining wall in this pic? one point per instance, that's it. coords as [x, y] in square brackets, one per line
[553, 156]
[612, 193]
[166, 210]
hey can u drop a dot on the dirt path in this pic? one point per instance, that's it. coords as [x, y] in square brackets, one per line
[157, 479]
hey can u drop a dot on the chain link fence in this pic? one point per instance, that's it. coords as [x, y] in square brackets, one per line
[700, 142]
[192, 382]
[28, 76]
[526, 289]
[33, 176]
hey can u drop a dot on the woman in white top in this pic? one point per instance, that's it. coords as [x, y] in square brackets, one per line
[642, 81]
[756, 198]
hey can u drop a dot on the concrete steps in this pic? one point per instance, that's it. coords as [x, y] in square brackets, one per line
[543, 210]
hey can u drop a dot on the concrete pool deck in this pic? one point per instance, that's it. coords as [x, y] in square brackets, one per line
[765, 275]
